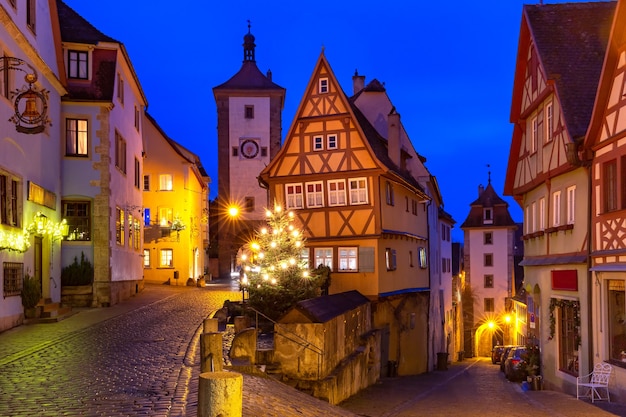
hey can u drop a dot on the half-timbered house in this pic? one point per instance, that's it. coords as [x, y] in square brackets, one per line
[559, 60]
[363, 213]
[606, 142]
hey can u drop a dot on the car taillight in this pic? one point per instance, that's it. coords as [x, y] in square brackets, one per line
[514, 361]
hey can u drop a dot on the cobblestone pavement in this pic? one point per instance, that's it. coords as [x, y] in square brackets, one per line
[141, 358]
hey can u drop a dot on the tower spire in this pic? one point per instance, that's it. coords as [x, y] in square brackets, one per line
[248, 46]
[488, 175]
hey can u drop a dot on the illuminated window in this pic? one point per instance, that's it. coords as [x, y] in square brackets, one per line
[358, 191]
[423, 258]
[533, 135]
[78, 216]
[390, 259]
[348, 259]
[549, 122]
[167, 258]
[146, 258]
[165, 216]
[314, 194]
[389, 193]
[166, 182]
[324, 256]
[542, 213]
[556, 207]
[571, 204]
[119, 226]
[76, 137]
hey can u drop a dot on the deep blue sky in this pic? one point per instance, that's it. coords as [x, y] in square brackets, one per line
[448, 68]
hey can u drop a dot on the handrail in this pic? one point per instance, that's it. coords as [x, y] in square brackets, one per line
[300, 340]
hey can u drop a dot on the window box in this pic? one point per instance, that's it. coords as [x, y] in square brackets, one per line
[551, 229]
[566, 227]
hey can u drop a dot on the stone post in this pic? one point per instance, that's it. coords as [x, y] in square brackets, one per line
[211, 352]
[210, 326]
[220, 394]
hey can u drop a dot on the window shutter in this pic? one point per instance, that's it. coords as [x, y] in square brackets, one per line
[366, 259]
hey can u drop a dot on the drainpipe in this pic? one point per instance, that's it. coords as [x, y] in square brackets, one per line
[588, 167]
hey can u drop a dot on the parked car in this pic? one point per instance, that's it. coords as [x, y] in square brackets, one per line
[496, 353]
[514, 365]
[504, 355]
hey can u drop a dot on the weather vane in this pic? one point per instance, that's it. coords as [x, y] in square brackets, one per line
[488, 174]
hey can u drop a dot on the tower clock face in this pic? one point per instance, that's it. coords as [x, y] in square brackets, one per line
[249, 148]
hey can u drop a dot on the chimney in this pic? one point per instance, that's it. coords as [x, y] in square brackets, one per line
[480, 189]
[393, 140]
[269, 75]
[358, 82]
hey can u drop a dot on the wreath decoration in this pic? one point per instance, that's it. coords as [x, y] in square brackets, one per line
[556, 302]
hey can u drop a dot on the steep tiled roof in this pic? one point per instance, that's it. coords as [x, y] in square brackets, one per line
[325, 308]
[489, 199]
[249, 77]
[571, 40]
[74, 28]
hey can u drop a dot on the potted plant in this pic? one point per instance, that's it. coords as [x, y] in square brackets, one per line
[532, 366]
[31, 295]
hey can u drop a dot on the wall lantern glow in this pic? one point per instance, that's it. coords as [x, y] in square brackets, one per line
[31, 104]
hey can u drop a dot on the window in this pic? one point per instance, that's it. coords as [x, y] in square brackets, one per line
[549, 122]
[533, 217]
[249, 204]
[542, 213]
[137, 174]
[263, 151]
[527, 219]
[571, 204]
[488, 238]
[120, 152]
[166, 258]
[389, 193]
[137, 233]
[358, 191]
[78, 64]
[348, 259]
[78, 216]
[318, 143]
[609, 185]
[76, 137]
[390, 259]
[13, 3]
[488, 259]
[623, 180]
[137, 118]
[488, 281]
[568, 336]
[249, 112]
[323, 85]
[314, 194]
[5, 79]
[294, 193]
[146, 217]
[165, 216]
[31, 6]
[10, 200]
[336, 193]
[119, 226]
[423, 257]
[146, 258]
[235, 151]
[487, 215]
[146, 182]
[13, 278]
[406, 201]
[414, 207]
[120, 88]
[617, 319]
[332, 141]
[411, 264]
[533, 135]
[165, 182]
[130, 224]
[324, 256]
[556, 207]
[489, 305]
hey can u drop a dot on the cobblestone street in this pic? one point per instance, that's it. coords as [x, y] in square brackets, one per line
[137, 363]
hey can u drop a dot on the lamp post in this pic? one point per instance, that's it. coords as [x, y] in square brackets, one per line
[30, 104]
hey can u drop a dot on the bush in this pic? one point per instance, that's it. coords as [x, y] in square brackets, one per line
[31, 291]
[78, 273]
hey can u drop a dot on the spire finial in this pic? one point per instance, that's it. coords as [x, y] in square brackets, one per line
[248, 45]
[488, 175]
[248, 25]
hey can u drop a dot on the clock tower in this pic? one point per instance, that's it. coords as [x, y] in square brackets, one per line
[249, 131]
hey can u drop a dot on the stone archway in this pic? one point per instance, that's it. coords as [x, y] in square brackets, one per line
[486, 337]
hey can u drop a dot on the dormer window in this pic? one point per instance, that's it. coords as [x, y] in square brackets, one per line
[323, 86]
[249, 112]
[487, 216]
[78, 64]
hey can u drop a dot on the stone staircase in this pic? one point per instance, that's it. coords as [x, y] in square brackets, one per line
[50, 312]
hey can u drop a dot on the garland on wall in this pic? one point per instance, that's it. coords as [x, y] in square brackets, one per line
[557, 302]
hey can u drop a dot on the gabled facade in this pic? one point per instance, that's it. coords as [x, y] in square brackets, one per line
[374, 103]
[488, 242]
[605, 141]
[175, 207]
[29, 173]
[102, 158]
[249, 132]
[551, 109]
[363, 214]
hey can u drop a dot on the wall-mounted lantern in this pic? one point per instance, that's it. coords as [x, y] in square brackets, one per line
[30, 103]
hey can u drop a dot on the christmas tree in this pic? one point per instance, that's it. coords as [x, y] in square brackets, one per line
[273, 270]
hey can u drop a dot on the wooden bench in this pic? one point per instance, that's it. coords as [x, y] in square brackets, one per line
[595, 384]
